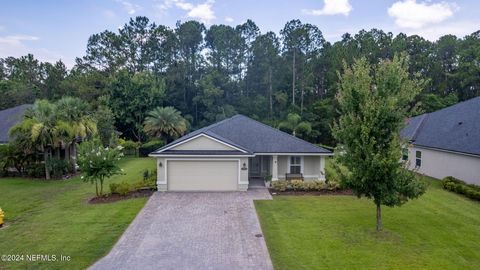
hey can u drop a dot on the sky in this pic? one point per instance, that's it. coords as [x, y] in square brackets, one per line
[53, 30]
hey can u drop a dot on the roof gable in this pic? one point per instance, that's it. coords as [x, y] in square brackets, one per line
[202, 142]
[455, 128]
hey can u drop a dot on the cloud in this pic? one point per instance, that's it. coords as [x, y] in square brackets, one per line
[130, 8]
[331, 7]
[459, 29]
[20, 45]
[229, 19]
[202, 12]
[413, 15]
[109, 14]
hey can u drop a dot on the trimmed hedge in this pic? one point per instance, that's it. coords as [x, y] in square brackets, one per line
[300, 185]
[458, 186]
[150, 146]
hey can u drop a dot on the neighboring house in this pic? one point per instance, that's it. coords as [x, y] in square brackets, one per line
[10, 117]
[227, 155]
[446, 142]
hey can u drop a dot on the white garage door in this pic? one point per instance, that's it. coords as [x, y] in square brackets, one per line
[202, 175]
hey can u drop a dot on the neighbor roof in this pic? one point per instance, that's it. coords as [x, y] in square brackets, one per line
[455, 128]
[252, 137]
[10, 117]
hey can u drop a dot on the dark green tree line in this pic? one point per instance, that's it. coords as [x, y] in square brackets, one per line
[210, 73]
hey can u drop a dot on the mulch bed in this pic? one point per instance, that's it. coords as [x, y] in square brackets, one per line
[274, 192]
[117, 197]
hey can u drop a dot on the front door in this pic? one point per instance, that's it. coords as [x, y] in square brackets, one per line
[255, 166]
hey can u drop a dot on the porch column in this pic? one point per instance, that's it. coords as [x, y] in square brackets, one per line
[322, 168]
[274, 168]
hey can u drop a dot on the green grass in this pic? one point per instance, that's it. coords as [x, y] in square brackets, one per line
[53, 217]
[440, 230]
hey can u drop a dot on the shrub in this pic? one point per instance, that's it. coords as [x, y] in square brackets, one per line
[122, 188]
[296, 185]
[35, 170]
[129, 147]
[458, 186]
[300, 185]
[58, 167]
[279, 185]
[150, 146]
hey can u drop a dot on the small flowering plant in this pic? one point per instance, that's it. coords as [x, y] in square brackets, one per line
[98, 163]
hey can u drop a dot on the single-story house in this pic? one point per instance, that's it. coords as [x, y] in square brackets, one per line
[232, 153]
[446, 142]
[10, 117]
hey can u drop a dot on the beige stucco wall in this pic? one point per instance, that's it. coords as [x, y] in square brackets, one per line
[202, 143]
[282, 166]
[193, 173]
[439, 164]
[312, 167]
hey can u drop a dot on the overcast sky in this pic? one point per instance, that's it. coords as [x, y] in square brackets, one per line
[53, 30]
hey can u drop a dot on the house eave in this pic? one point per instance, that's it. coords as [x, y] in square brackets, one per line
[446, 150]
[293, 154]
[192, 156]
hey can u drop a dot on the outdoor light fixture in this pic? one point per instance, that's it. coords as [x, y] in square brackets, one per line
[160, 164]
[244, 166]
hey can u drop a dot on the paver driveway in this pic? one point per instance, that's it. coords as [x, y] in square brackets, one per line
[193, 231]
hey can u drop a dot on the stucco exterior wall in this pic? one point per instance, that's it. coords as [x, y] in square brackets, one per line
[282, 167]
[313, 167]
[202, 143]
[439, 164]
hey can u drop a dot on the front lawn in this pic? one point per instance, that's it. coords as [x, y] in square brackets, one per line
[54, 218]
[441, 230]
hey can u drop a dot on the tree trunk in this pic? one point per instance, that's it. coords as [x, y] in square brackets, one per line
[101, 187]
[96, 187]
[270, 90]
[379, 218]
[301, 97]
[67, 153]
[45, 159]
[74, 157]
[293, 77]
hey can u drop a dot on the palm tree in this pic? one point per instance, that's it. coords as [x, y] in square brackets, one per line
[295, 125]
[39, 124]
[75, 124]
[165, 122]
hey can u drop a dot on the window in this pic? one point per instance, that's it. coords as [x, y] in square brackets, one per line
[295, 164]
[405, 154]
[418, 159]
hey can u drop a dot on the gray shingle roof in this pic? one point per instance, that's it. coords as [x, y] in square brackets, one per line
[10, 117]
[455, 128]
[253, 137]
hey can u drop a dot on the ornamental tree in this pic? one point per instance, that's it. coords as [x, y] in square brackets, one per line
[373, 103]
[98, 163]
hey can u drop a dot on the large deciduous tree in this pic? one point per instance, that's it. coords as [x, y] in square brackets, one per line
[373, 102]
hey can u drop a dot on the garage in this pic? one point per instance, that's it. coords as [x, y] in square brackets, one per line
[202, 175]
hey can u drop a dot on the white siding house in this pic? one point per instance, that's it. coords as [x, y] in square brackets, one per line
[446, 142]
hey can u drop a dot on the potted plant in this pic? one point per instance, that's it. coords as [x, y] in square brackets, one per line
[268, 179]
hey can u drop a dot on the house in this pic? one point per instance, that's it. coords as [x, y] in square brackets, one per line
[446, 142]
[10, 117]
[232, 153]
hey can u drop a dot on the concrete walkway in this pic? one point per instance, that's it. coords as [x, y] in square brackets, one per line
[193, 231]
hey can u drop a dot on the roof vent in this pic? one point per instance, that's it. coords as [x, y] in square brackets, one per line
[459, 123]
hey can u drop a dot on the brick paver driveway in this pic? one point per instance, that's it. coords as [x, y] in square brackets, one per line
[193, 231]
